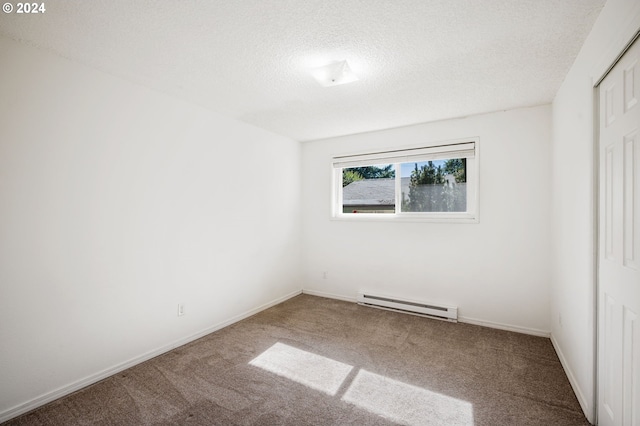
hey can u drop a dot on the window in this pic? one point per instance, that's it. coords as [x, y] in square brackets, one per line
[437, 182]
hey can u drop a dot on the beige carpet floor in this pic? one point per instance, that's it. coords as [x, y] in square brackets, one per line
[317, 361]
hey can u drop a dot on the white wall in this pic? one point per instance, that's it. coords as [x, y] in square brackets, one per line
[117, 203]
[496, 271]
[573, 266]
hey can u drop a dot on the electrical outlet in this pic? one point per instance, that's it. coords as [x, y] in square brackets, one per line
[324, 275]
[180, 309]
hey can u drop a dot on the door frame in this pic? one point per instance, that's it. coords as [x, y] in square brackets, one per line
[610, 58]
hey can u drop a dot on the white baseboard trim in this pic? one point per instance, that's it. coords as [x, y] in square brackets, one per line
[329, 295]
[89, 380]
[582, 400]
[517, 329]
[506, 327]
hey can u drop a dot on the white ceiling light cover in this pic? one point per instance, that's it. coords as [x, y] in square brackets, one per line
[334, 74]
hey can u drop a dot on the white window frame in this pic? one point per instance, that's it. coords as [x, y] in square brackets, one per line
[468, 148]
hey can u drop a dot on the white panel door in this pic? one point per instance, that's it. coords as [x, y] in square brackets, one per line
[619, 244]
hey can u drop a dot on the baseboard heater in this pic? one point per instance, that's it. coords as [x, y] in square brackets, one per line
[446, 313]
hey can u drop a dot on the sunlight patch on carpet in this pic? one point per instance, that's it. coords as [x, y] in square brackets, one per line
[406, 404]
[315, 371]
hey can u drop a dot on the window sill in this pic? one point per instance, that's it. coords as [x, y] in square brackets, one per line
[381, 217]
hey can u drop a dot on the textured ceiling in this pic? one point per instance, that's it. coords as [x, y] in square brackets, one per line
[417, 60]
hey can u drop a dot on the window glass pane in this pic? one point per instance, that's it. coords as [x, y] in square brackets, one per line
[369, 189]
[434, 186]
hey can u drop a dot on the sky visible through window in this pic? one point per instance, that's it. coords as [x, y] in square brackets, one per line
[407, 168]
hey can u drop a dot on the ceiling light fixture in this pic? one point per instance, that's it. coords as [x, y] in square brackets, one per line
[334, 74]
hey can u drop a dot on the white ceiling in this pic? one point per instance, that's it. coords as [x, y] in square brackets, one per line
[417, 60]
